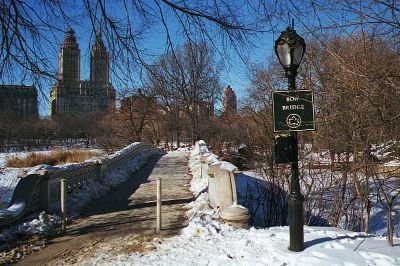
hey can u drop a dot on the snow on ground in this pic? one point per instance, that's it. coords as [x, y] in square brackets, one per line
[381, 153]
[8, 178]
[8, 182]
[252, 182]
[207, 241]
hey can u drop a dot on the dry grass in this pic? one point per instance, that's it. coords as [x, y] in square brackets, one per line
[53, 158]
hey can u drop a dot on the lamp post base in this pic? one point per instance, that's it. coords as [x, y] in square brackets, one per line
[296, 222]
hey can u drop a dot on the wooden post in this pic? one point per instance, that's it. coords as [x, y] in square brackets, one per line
[64, 204]
[158, 229]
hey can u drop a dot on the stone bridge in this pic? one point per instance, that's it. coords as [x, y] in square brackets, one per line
[128, 210]
[39, 190]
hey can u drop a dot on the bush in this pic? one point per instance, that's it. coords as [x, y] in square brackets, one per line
[53, 158]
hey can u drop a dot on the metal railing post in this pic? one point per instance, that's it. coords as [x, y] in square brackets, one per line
[64, 204]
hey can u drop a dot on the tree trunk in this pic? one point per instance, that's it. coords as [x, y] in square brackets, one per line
[341, 204]
[178, 139]
[389, 224]
[368, 205]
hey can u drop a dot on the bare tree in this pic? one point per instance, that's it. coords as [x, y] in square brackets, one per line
[32, 30]
[187, 84]
[353, 83]
[136, 111]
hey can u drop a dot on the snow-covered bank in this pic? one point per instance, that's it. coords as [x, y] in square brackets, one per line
[8, 181]
[207, 241]
[9, 176]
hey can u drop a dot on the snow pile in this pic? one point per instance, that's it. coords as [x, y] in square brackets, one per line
[386, 152]
[185, 149]
[199, 182]
[228, 166]
[200, 148]
[8, 182]
[124, 150]
[323, 157]
[378, 218]
[8, 178]
[211, 158]
[207, 242]
[14, 210]
[36, 168]
[43, 225]
[200, 205]
[199, 157]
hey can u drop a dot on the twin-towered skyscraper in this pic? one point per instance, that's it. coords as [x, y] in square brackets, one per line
[70, 95]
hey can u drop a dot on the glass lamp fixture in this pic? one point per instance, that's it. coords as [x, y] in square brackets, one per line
[290, 48]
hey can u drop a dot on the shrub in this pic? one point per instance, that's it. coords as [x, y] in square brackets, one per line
[53, 158]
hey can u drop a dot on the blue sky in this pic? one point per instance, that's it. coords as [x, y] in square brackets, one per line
[235, 73]
[315, 19]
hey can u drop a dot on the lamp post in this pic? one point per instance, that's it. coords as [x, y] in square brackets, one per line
[290, 48]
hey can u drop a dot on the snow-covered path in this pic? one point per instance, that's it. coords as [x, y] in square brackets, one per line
[126, 213]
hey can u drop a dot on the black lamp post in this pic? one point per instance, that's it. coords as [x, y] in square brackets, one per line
[290, 48]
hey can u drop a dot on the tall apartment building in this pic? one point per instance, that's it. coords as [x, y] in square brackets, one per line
[71, 95]
[229, 102]
[19, 100]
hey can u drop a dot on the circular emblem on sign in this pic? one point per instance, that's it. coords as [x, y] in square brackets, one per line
[293, 120]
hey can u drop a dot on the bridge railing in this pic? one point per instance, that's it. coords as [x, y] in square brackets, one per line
[42, 192]
[78, 175]
[222, 187]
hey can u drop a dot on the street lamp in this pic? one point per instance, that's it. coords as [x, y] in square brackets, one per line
[290, 48]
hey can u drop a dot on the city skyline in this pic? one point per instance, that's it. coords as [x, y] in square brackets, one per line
[153, 42]
[71, 95]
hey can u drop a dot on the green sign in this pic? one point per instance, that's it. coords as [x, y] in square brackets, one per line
[293, 110]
